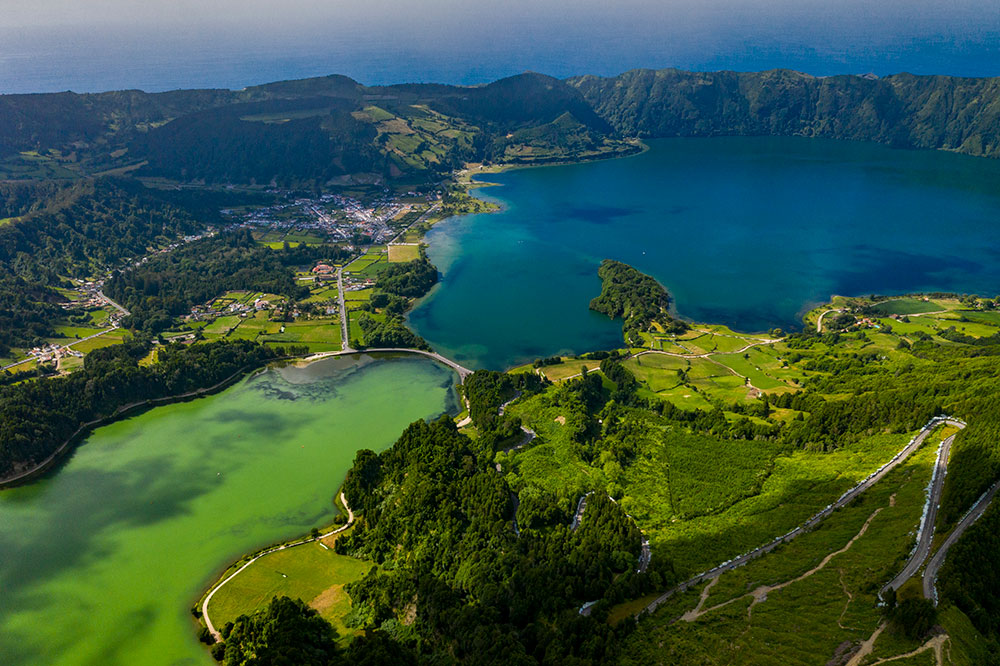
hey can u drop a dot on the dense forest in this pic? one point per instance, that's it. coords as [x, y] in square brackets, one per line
[80, 230]
[458, 580]
[169, 284]
[635, 297]
[395, 288]
[91, 226]
[312, 131]
[902, 110]
[37, 417]
[288, 633]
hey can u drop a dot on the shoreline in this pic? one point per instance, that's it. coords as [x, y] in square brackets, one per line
[247, 372]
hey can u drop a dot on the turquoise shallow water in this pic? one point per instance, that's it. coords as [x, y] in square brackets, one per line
[101, 559]
[748, 232]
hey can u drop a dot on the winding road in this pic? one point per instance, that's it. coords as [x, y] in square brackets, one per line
[925, 536]
[934, 566]
[218, 586]
[844, 499]
[819, 322]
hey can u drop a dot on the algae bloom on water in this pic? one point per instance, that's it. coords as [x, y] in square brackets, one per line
[103, 558]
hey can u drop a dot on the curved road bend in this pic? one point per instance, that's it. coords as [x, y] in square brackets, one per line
[707, 355]
[925, 536]
[845, 499]
[819, 322]
[211, 593]
[462, 371]
[931, 572]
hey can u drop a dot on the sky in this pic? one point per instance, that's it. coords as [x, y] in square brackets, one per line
[89, 45]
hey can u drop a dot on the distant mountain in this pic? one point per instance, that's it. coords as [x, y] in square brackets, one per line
[937, 112]
[333, 129]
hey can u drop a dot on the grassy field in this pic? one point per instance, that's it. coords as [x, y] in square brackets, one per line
[111, 338]
[402, 253]
[368, 264]
[310, 572]
[908, 306]
[356, 299]
[806, 608]
[322, 293]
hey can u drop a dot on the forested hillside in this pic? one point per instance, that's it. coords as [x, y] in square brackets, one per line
[37, 417]
[903, 110]
[169, 285]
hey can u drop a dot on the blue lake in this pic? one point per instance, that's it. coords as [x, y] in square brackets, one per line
[749, 232]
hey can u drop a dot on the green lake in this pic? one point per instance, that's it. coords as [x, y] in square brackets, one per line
[103, 558]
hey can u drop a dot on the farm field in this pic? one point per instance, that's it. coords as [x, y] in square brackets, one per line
[369, 263]
[822, 583]
[402, 253]
[311, 572]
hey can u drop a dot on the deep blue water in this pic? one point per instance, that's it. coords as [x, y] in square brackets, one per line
[748, 232]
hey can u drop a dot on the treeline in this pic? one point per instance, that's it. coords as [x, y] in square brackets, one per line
[958, 379]
[389, 331]
[168, 285]
[79, 230]
[27, 312]
[395, 288]
[635, 297]
[970, 577]
[454, 581]
[222, 145]
[902, 110]
[37, 417]
[289, 632]
[90, 226]
[487, 390]
[411, 279]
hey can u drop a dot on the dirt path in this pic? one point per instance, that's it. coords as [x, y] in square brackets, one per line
[850, 598]
[819, 322]
[866, 647]
[844, 499]
[697, 611]
[760, 594]
[218, 586]
[936, 644]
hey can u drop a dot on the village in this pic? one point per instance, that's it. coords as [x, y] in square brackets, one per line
[329, 218]
[364, 229]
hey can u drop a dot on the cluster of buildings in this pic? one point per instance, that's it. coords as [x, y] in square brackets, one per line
[243, 309]
[337, 217]
[52, 352]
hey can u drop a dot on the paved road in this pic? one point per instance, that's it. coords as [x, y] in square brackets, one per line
[934, 566]
[420, 219]
[462, 371]
[819, 322]
[211, 593]
[925, 536]
[345, 343]
[581, 506]
[845, 499]
[115, 305]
